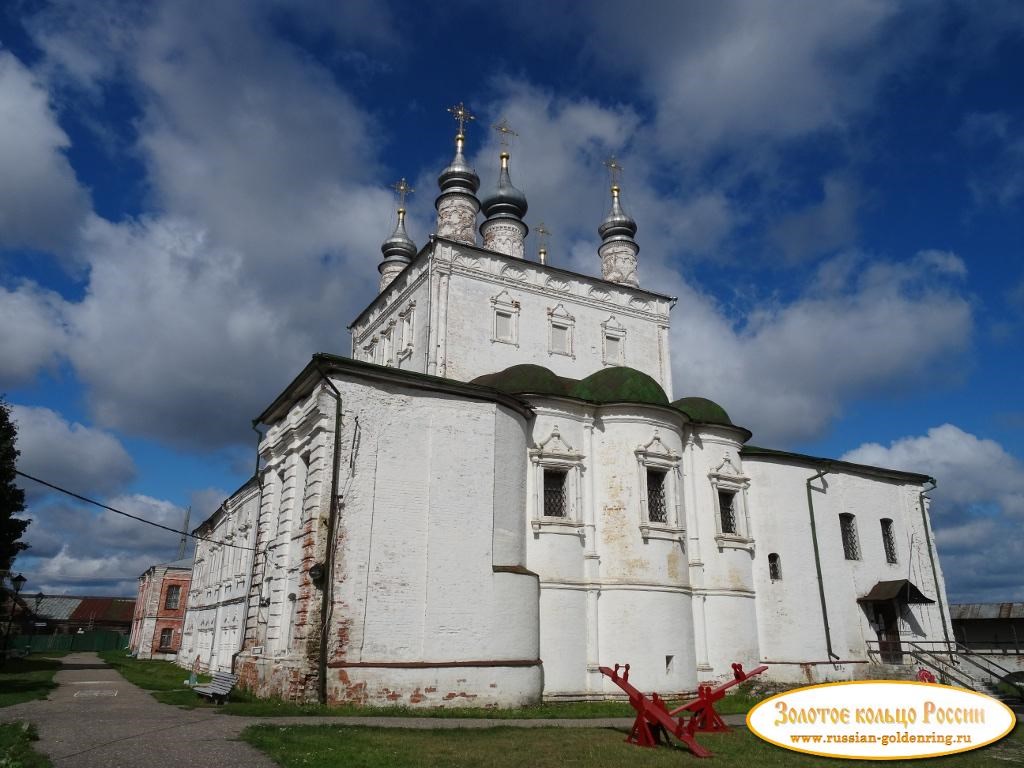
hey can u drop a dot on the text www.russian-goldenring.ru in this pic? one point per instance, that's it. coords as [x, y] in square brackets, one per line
[884, 740]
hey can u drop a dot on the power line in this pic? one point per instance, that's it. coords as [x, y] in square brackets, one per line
[130, 516]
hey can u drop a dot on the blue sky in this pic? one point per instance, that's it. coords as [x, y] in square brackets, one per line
[193, 195]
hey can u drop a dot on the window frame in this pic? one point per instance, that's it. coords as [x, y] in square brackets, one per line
[407, 328]
[554, 453]
[177, 597]
[170, 639]
[559, 317]
[889, 541]
[726, 477]
[504, 304]
[850, 537]
[774, 567]
[613, 329]
[655, 456]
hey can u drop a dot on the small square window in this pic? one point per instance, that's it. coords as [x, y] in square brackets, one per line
[657, 509]
[503, 326]
[554, 492]
[727, 510]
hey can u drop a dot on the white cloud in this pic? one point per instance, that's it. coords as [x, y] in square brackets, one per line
[79, 458]
[34, 335]
[41, 202]
[977, 508]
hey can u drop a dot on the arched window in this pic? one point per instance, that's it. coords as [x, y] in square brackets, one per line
[774, 567]
[888, 541]
[848, 526]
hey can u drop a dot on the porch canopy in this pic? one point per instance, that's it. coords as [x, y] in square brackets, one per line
[900, 589]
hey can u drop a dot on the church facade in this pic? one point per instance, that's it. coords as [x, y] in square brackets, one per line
[495, 494]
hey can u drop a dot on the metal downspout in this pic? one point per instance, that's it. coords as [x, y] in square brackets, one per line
[326, 587]
[817, 560]
[255, 535]
[931, 557]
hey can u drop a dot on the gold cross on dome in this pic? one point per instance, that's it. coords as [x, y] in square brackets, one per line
[542, 235]
[462, 116]
[402, 188]
[505, 131]
[614, 169]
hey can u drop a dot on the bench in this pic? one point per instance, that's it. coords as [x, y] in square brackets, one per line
[219, 688]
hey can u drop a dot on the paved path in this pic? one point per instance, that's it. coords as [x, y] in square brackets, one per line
[97, 719]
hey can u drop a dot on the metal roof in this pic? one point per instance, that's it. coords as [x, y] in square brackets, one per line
[56, 608]
[987, 611]
[898, 589]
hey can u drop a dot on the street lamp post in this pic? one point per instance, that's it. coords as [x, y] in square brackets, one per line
[17, 582]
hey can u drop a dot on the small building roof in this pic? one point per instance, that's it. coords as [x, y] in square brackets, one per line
[110, 609]
[897, 589]
[57, 608]
[972, 611]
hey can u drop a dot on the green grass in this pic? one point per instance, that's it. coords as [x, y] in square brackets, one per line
[165, 679]
[16, 747]
[327, 746]
[26, 679]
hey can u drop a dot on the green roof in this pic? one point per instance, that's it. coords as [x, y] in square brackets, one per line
[620, 384]
[526, 379]
[702, 410]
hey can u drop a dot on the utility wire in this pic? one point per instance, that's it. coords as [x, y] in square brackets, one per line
[133, 517]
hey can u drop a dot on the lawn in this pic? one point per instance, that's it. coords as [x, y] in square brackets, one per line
[16, 747]
[165, 679]
[326, 746]
[26, 679]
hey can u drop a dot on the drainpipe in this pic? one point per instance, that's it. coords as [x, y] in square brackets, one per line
[255, 534]
[817, 559]
[931, 557]
[328, 583]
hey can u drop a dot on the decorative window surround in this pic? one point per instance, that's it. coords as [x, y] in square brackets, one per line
[613, 342]
[561, 326]
[387, 345]
[727, 478]
[407, 318]
[505, 309]
[370, 350]
[554, 453]
[655, 455]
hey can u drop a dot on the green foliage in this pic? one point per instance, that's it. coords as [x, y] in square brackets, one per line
[151, 674]
[16, 747]
[12, 498]
[26, 679]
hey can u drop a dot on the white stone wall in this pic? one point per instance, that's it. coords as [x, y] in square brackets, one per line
[790, 623]
[214, 621]
[457, 289]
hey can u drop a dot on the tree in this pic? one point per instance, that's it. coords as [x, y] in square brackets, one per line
[12, 498]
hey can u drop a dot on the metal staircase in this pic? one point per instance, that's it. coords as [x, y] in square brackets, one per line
[959, 665]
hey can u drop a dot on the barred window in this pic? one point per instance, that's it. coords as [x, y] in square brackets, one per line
[727, 509]
[166, 635]
[173, 597]
[774, 567]
[848, 526]
[657, 509]
[554, 492]
[888, 541]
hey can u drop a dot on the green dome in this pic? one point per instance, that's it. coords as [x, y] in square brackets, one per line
[702, 410]
[619, 385]
[526, 379]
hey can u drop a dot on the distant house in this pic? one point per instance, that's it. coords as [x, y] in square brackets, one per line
[160, 610]
[64, 614]
[990, 627]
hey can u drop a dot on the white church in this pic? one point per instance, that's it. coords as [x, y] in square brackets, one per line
[500, 490]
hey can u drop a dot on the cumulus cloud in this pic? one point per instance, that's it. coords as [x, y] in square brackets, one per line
[979, 500]
[41, 202]
[82, 459]
[34, 335]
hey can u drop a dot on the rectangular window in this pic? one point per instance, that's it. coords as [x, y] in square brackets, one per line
[173, 597]
[166, 635]
[888, 541]
[559, 339]
[386, 350]
[612, 350]
[774, 567]
[851, 546]
[554, 492]
[407, 330]
[503, 326]
[657, 511]
[727, 510]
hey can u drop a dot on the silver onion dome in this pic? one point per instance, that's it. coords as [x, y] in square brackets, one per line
[399, 247]
[459, 176]
[617, 225]
[505, 201]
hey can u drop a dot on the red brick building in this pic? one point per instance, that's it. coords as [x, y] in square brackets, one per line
[160, 610]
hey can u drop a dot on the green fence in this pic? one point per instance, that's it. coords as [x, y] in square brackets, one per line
[97, 640]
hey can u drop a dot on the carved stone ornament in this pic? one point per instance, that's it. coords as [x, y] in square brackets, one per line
[456, 219]
[513, 274]
[554, 444]
[656, 446]
[618, 264]
[504, 238]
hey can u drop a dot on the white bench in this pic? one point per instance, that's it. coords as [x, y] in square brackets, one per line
[219, 688]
